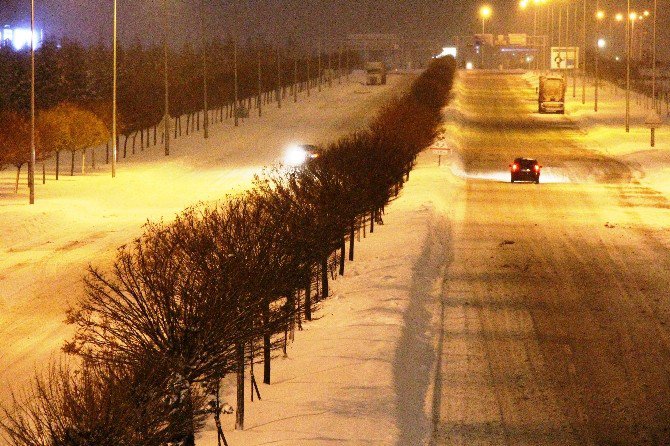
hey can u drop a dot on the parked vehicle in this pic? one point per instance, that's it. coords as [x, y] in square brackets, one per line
[376, 73]
[551, 94]
[525, 169]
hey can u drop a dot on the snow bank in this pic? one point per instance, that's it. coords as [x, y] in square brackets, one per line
[361, 372]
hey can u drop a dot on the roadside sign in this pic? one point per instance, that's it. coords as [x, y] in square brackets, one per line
[564, 57]
[440, 149]
[653, 120]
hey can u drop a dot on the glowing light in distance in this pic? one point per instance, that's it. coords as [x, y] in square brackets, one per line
[469, 66]
[295, 156]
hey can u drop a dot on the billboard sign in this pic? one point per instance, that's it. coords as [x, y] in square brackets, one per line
[564, 57]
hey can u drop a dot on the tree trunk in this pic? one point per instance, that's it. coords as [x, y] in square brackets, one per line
[57, 163]
[352, 234]
[342, 254]
[72, 165]
[308, 298]
[372, 221]
[239, 417]
[125, 146]
[324, 278]
[18, 173]
[83, 162]
[134, 140]
[266, 341]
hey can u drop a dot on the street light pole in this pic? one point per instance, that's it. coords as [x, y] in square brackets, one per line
[595, 104]
[114, 88]
[31, 164]
[205, 121]
[628, 44]
[584, 53]
[653, 60]
[166, 118]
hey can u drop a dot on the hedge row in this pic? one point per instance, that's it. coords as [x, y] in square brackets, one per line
[221, 287]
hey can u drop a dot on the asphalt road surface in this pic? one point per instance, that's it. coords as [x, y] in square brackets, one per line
[556, 314]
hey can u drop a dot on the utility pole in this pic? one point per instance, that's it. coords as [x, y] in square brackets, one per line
[31, 164]
[114, 87]
[166, 118]
[205, 122]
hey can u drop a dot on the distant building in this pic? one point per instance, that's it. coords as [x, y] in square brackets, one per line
[394, 51]
[18, 38]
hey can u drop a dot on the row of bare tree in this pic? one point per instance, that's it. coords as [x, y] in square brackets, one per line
[219, 289]
[74, 92]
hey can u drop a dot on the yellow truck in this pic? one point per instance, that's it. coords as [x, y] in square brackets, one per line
[551, 94]
[376, 73]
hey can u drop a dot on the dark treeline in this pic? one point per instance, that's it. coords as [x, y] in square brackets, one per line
[219, 289]
[69, 76]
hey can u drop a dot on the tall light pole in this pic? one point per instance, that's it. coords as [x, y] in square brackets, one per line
[653, 118]
[205, 121]
[600, 15]
[166, 118]
[114, 88]
[31, 164]
[584, 52]
[653, 59]
[485, 12]
[600, 45]
[629, 33]
[236, 86]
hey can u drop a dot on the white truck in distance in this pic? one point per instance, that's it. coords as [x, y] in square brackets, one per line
[551, 94]
[376, 73]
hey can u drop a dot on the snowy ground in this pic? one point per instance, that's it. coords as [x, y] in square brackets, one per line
[604, 130]
[427, 326]
[505, 321]
[45, 248]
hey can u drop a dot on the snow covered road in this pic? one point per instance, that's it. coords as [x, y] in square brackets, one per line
[556, 316]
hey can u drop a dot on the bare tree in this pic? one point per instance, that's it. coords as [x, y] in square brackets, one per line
[93, 405]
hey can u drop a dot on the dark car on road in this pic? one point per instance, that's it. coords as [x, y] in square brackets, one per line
[525, 169]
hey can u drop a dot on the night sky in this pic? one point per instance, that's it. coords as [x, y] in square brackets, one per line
[89, 21]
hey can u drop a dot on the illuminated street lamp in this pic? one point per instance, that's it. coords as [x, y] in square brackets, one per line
[600, 15]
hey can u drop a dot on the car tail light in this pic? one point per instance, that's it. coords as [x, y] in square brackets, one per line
[537, 168]
[515, 167]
